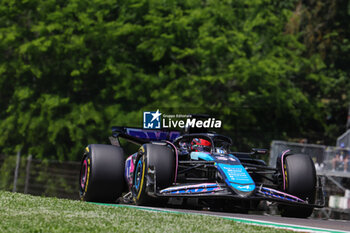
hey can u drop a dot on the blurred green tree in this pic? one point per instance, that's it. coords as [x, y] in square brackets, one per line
[71, 69]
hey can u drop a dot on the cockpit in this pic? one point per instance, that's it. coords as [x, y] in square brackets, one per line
[210, 143]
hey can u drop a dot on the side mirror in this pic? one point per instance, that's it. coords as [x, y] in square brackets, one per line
[259, 151]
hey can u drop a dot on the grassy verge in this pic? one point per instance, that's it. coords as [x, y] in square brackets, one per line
[25, 213]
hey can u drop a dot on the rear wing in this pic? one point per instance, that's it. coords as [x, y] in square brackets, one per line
[141, 136]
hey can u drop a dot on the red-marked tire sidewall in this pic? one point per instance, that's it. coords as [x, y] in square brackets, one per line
[300, 181]
[102, 173]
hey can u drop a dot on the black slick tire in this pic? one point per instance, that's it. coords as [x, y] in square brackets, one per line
[102, 173]
[300, 181]
[161, 160]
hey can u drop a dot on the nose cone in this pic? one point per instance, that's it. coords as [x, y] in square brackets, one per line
[237, 178]
[243, 190]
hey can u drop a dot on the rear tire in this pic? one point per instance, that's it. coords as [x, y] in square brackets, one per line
[160, 158]
[300, 181]
[102, 173]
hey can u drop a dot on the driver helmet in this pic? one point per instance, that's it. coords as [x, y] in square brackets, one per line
[199, 145]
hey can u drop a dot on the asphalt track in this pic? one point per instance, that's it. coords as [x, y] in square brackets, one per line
[303, 225]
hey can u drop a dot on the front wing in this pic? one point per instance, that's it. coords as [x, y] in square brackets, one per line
[221, 190]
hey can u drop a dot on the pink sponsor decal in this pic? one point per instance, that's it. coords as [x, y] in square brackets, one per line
[284, 179]
[83, 179]
[176, 159]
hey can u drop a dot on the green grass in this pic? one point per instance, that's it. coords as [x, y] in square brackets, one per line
[26, 213]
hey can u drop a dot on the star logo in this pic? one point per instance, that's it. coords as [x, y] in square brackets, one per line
[156, 115]
[151, 120]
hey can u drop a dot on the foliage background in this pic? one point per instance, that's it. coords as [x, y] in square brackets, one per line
[269, 69]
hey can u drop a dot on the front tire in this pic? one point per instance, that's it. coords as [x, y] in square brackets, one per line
[300, 181]
[161, 160]
[102, 173]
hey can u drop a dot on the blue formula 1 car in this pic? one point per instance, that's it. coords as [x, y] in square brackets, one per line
[199, 167]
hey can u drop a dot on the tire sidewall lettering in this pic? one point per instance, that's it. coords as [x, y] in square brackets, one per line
[286, 175]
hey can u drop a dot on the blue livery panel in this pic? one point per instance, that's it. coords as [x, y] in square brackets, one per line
[201, 155]
[236, 176]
